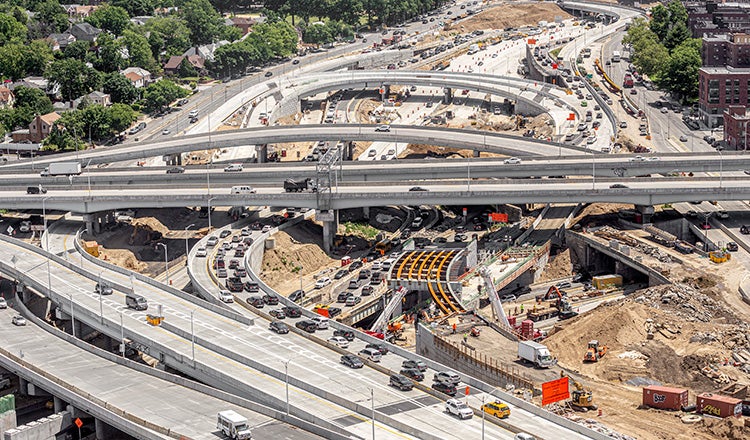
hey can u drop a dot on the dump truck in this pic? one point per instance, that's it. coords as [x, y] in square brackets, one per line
[62, 169]
[535, 353]
[291, 185]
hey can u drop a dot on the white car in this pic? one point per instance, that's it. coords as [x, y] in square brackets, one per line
[226, 296]
[18, 320]
[266, 228]
[201, 252]
[3, 303]
[652, 158]
[512, 160]
[322, 322]
[637, 159]
[383, 128]
[322, 282]
[722, 215]
[340, 341]
[212, 240]
[372, 153]
[391, 152]
[458, 408]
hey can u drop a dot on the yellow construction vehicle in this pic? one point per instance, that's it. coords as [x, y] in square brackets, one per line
[594, 352]
[581, 399]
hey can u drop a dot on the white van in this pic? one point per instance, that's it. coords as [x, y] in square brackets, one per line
[417, 223]
[606, 149]
[243, 190]
[233, 167]
[371, 354]
[321, 321]
[193, 113]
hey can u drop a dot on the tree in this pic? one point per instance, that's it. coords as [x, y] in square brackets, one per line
[20, 60]
[680, 73]
[135, 8]
[161, 94]
[168, 35]
[34, 99]
[74, 77]
[317, 33]
[119, 88]
[110, 54]
[50, 18]
[120, 117]
[78, 50]
[234, 58]
[139, 51]
[11, 30]
[676, 35]
[36, 57]
[186, 69]
[650, 58]
[203, 21]
[110, 18]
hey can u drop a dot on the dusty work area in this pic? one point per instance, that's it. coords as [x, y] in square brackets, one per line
[504, 15]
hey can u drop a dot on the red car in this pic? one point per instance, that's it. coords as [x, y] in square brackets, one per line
[705, 226]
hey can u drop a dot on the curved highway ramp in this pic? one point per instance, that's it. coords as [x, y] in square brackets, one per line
[138, 400]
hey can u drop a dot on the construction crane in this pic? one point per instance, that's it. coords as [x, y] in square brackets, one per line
[493, 296]
[381, 323]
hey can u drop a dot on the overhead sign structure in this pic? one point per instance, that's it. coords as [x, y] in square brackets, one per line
[555, 391]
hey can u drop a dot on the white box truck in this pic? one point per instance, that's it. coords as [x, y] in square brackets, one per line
[536, 353]
[233, 425]
[62, 169]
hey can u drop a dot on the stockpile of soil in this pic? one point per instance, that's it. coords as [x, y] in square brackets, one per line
[520, 14]
[559, 266]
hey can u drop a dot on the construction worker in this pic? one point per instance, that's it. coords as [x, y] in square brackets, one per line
[466, 336]
[515, 310]
[454, 328]
[522, 309]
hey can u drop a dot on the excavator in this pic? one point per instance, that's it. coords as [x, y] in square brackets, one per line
[561, 307]
[594, 352]
[581, 399]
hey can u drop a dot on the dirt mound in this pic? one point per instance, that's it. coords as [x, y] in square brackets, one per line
[124, 258]
[559, 266]
[150, 224]
[598, 209]
[729, 428]
[518, 15]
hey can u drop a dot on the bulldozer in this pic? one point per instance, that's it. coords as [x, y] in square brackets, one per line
[581, 399]
[595, 351]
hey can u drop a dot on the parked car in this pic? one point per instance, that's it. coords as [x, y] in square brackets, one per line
[292, 312]
[447, 376]
[296, 295]
[278, 314]
[18, 320]
[3, 303]
[226, 296]
[419, 365]
[353, 301]
[346, 334]
[307, 325]
[339, 341]
[444, 388]
[341, 274]
[412, 373]
[380, 347]
[322, 282]
[458, 408]
[176, 170]
[256, 301]
[270, 299]
[401, 382]
[251, 287]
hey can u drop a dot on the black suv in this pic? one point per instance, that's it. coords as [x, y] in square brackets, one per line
[292, 312]
[343, 296]
[307, 325]
[380, 347]
[279, 327]
[346, 334]
[444, 388]
[234, 284]
[352, 361]
[251, 287]
[256, 302]
[401, 382]
[413, 373]
[271, 300]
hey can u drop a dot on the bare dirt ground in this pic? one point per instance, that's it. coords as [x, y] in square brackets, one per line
[558, 267]
[513, 15]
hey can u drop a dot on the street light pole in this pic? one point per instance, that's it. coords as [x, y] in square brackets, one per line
[101, 302]
[286, 380]
[721, 166]
[122, 337]
[192, 336]
[209, 214]
[372, 400]
[186, 242]
[166, 259]
[482, 409]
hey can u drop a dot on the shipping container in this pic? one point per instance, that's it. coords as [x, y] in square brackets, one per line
[664, 397]
[607, 281]
[718, 405]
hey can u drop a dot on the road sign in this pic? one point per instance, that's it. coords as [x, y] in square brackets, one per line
[555, 391]
[467, 390]
[498, 217]
[78, 423]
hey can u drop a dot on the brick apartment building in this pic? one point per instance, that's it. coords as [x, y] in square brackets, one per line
[736, 119]
[716, 17]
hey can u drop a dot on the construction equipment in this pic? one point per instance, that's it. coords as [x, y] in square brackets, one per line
[581, 399]
[594, 351]
[381, 323]
[561, 307]
[719, 256]
[493, 296]
[552, 292]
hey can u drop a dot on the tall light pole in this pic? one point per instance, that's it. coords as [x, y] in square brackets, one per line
[209, 214]
[46, 249]
[286, 381]
[101, 302]
[192, 335]
[166, 259]
[721, 166]
[186, 242]
[122, 337]
[372, 400]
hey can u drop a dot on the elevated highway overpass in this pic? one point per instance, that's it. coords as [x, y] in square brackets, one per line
[402, 170]
[241, 356]
[144, 402]
[643, 191]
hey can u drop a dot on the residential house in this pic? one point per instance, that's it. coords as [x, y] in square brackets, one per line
[38, 82]
[7, 99]
[61, 41]
[137, 76]
[101, 98]
[242, 23]
[141, 20]
[41, 126]
[79, 12]
[172, 66]
[205, 51]
[84, 31]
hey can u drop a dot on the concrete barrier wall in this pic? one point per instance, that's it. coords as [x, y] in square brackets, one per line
[44, 428]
